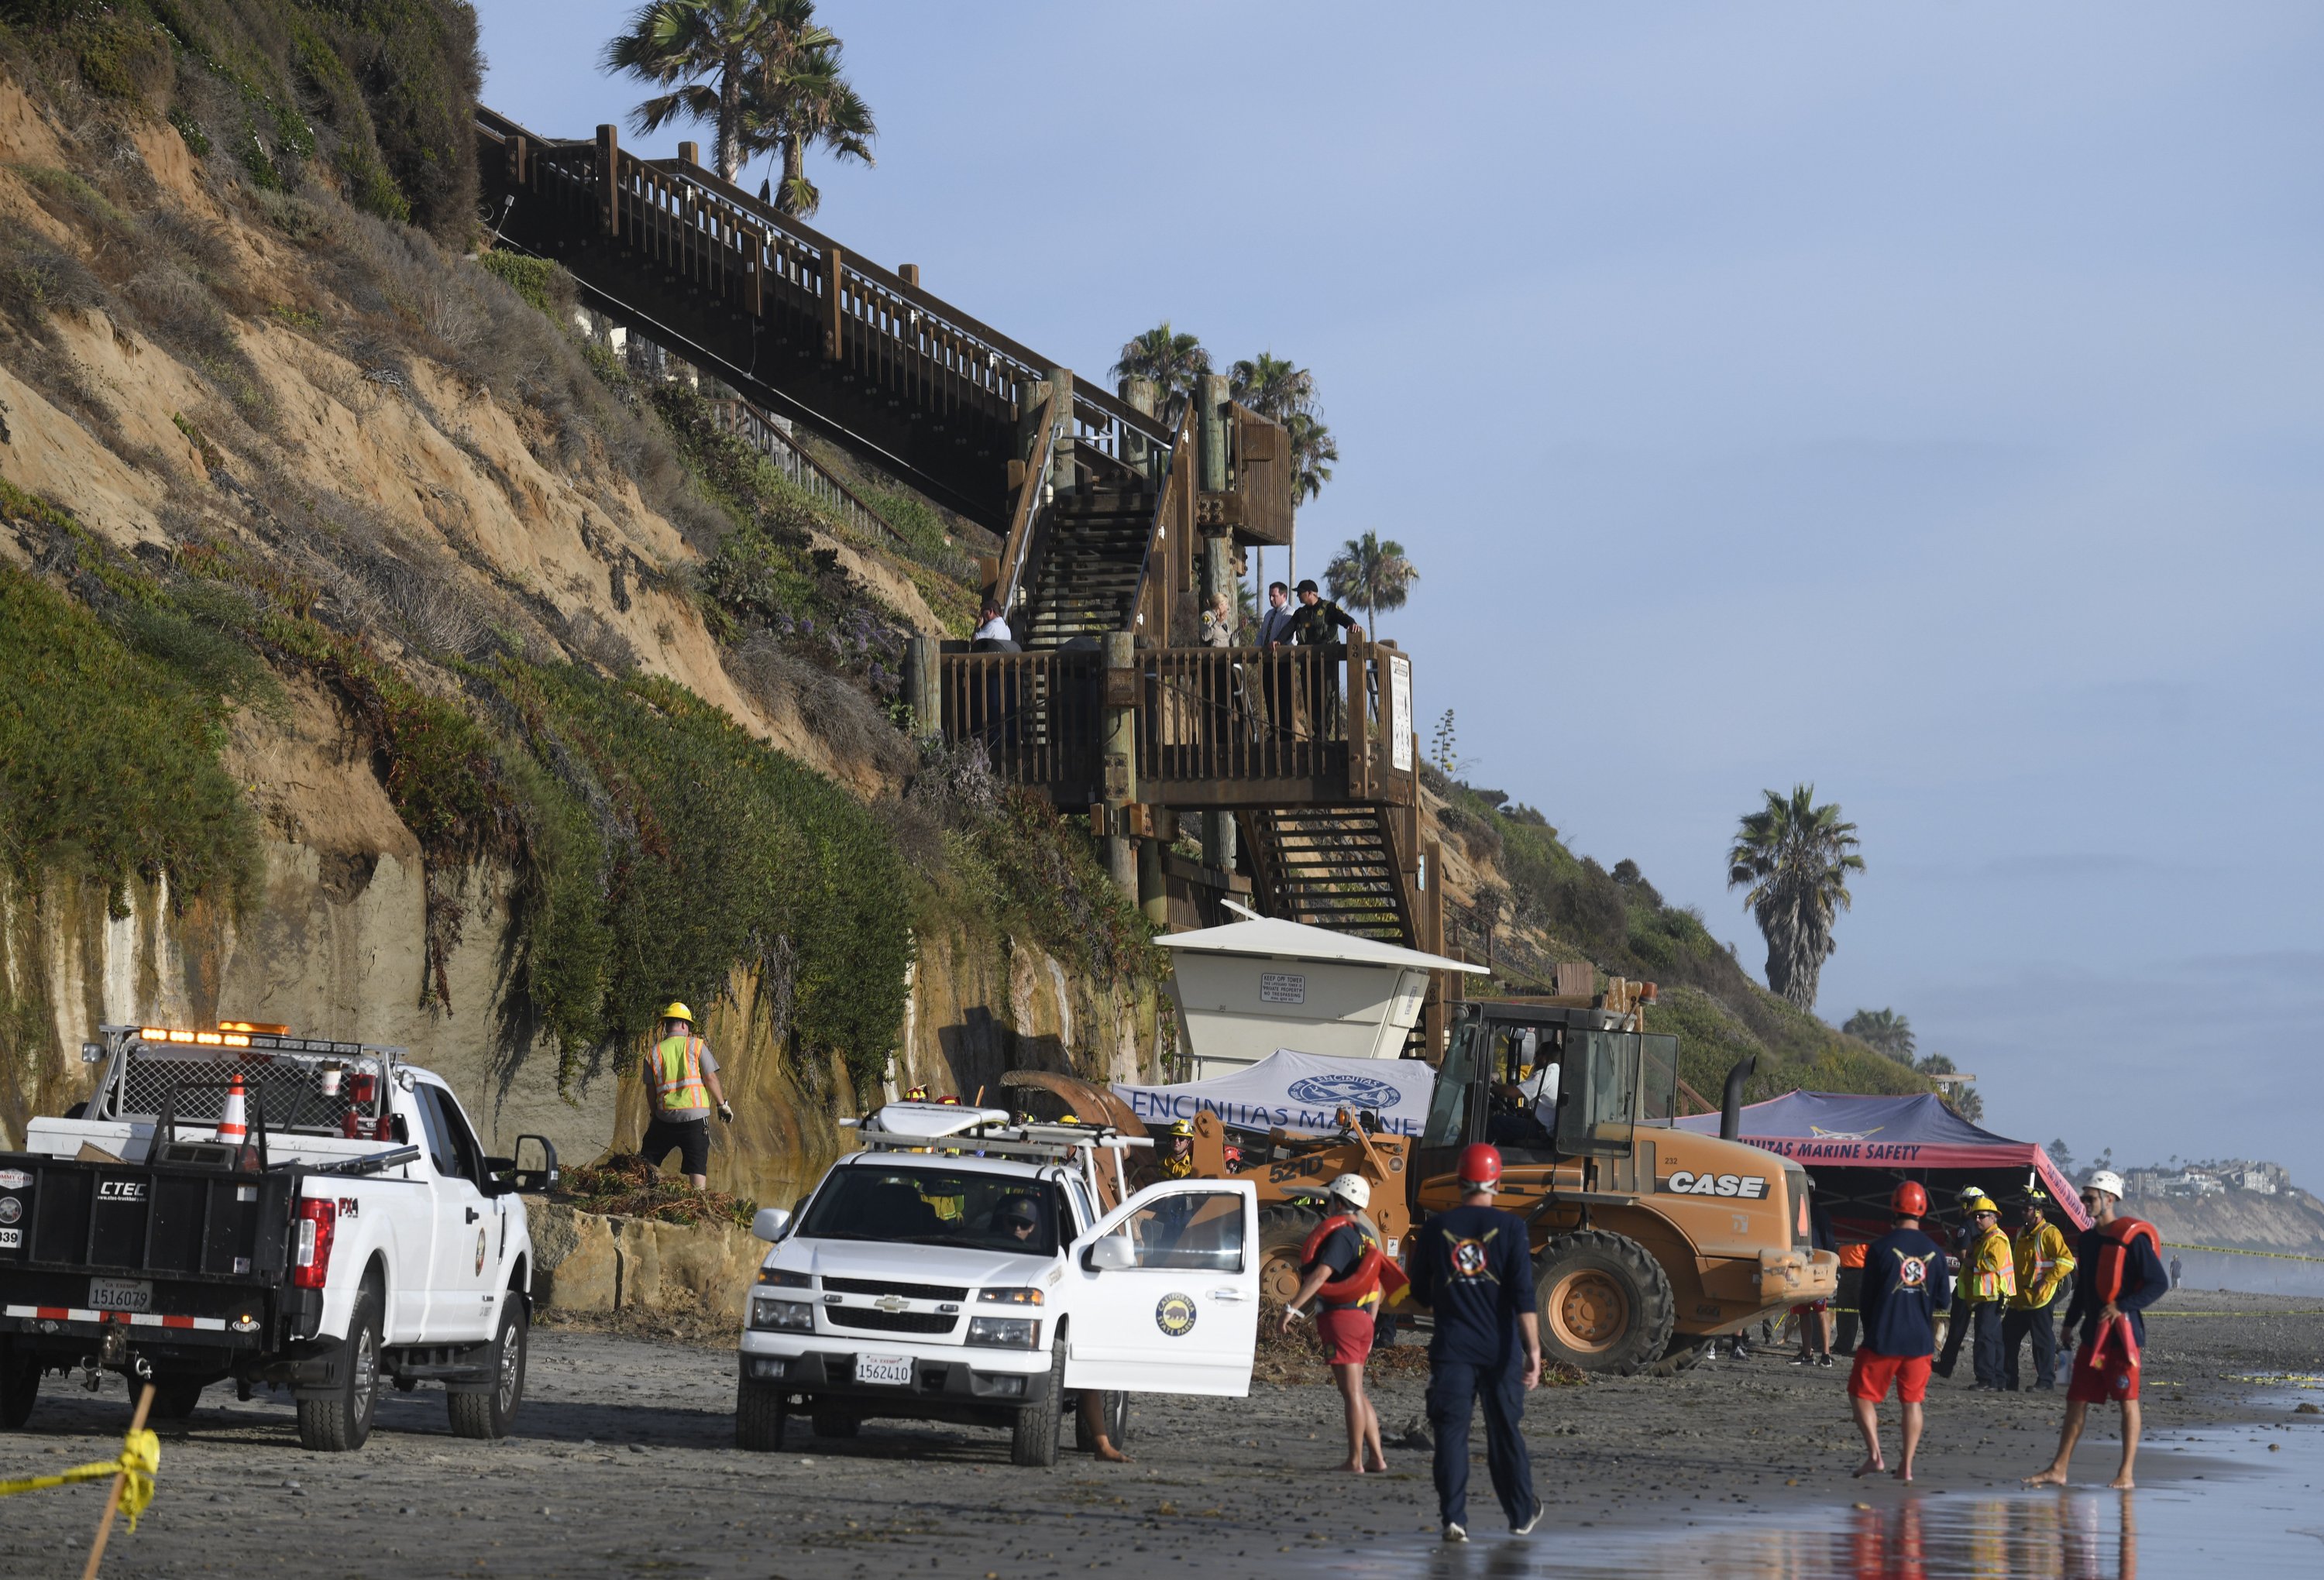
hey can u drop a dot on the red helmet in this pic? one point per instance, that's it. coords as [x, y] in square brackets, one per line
[1910, 1200]
[1481, 1167]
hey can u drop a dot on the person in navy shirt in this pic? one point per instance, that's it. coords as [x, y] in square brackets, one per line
[1905, 1284]
[1474, 1270]
[2118, 1272]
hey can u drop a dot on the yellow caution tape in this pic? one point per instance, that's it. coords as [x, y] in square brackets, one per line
[140, 1459]
[2239, 1251]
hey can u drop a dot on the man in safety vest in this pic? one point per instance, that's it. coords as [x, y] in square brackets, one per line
[2045, 1269]
[1989, 1277]
[2118, 1272]
[681, 1085]
[1474, 1269]
[1342, 1276]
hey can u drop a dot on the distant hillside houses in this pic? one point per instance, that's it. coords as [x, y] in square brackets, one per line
[2209, 1178]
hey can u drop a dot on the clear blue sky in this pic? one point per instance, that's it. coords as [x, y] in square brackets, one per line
[1920, 401]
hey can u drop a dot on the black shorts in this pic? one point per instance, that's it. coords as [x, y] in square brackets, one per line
[691, 1138]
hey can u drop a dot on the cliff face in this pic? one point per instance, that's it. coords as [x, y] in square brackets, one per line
[382, 523]
[2290, 1221]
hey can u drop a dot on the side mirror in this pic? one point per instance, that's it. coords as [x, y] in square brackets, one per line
[1112, 1253]
[535, 1179]
[770, 1224]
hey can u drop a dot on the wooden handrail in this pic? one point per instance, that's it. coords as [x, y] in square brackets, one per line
[1031, 496]
[727, 216]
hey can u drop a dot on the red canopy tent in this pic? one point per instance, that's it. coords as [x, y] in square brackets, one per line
[1856, 1148]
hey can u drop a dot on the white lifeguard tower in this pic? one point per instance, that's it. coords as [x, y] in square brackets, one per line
[1248, 988]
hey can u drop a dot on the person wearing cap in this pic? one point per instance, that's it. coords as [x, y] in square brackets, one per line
[2045, 1271]
[2118, 1272]
[1318, 621]
[1903, 1287]
[682, 1083]
[1472, 1268]
[1342, 1278]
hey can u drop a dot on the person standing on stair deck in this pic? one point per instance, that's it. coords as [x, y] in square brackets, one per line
[1275, 625]
[681, 1083]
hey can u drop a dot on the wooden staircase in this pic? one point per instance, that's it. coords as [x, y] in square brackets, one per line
[1334, 867]
[1091, 568]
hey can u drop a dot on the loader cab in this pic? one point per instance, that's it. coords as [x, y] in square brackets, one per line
[1545, 1083]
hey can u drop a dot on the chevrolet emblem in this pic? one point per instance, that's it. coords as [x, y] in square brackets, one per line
[890, 1302]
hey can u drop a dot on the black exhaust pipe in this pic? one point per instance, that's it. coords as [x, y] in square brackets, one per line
[1730, 1106]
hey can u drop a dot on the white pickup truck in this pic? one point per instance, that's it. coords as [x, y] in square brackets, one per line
[962, 1268]
[356, 1234]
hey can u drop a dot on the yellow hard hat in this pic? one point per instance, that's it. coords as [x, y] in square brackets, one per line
[678, 1012]
[1069, 1119]
[1182, 1127]
[1979, 1203]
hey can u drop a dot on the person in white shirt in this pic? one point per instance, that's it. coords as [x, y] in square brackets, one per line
[991, 627]
[1275, 625]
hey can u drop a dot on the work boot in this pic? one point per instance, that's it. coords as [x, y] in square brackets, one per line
[1453, 1532]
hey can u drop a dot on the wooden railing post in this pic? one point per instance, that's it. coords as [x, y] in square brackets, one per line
[834, 319]
[1358, 732]
[1063, 474]
[609, 180]
[1118, 766]
[1138, 394]
[920, 687]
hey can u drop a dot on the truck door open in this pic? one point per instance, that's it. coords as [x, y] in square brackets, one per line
[1163, 1296]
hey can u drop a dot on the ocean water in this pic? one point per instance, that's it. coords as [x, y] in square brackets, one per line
[2247, 1506]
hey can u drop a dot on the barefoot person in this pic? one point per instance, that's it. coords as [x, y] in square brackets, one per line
[1342, 1278]
[1903, 1289]
[2118, 1272]
[1474, 1269]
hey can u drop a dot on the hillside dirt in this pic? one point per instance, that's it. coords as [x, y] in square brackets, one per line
[624, 1465]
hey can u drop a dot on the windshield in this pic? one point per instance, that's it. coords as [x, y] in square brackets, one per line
[901, 1205]
[1448, 1106]
[1659, 1076]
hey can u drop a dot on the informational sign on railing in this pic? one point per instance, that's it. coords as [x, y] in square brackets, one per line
[1399, 712]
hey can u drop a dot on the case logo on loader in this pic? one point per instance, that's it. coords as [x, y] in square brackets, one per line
[1174, 1315]
[1686, 1182]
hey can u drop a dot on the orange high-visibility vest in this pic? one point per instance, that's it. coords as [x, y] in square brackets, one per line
[677, 1071]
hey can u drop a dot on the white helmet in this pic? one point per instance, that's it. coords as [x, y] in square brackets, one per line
[2107, 1180]
[1354, 1190]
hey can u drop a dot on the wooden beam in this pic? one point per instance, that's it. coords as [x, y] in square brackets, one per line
[609, 186]
[835, 320]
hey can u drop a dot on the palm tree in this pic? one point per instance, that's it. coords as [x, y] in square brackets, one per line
[1272, 386]
[1888, 1032]
[1170, 360]
[790, 106]
[706, 53]
[1370, 575]
[1795, 856]
[1313, 453]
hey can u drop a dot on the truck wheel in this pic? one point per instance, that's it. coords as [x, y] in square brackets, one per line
[1684, 1354]
[20, 1385]
[492, 1414]
[833, 1420]
[1114, 1411]
[761, 1414]
[1605, 1304]
[340, 1420]
[1283, 1232]
[1033, 1439]
[175, 1399]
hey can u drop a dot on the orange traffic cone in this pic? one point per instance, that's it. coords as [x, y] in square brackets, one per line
[234, 1124]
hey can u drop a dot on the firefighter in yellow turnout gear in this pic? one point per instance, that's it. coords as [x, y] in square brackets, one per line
[2046, 1273]
[1989, 1279]
[1178, 1160]
[681, 1077]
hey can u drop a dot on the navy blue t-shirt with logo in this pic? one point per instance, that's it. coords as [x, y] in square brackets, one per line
[1905, 1284]
[1474, 1269]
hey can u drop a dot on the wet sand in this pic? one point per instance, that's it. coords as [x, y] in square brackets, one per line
[624, 1467]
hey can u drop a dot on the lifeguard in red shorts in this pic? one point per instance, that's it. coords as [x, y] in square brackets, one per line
[1905, 1284]
[1343, 1268]
[2118, 1272]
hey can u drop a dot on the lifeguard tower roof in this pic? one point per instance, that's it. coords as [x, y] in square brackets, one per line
[1270, 936]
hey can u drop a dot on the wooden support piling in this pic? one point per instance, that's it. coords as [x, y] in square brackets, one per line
[609, 182]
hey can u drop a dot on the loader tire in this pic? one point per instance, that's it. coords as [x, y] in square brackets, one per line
[1605, 1305]
[1283, 1232]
